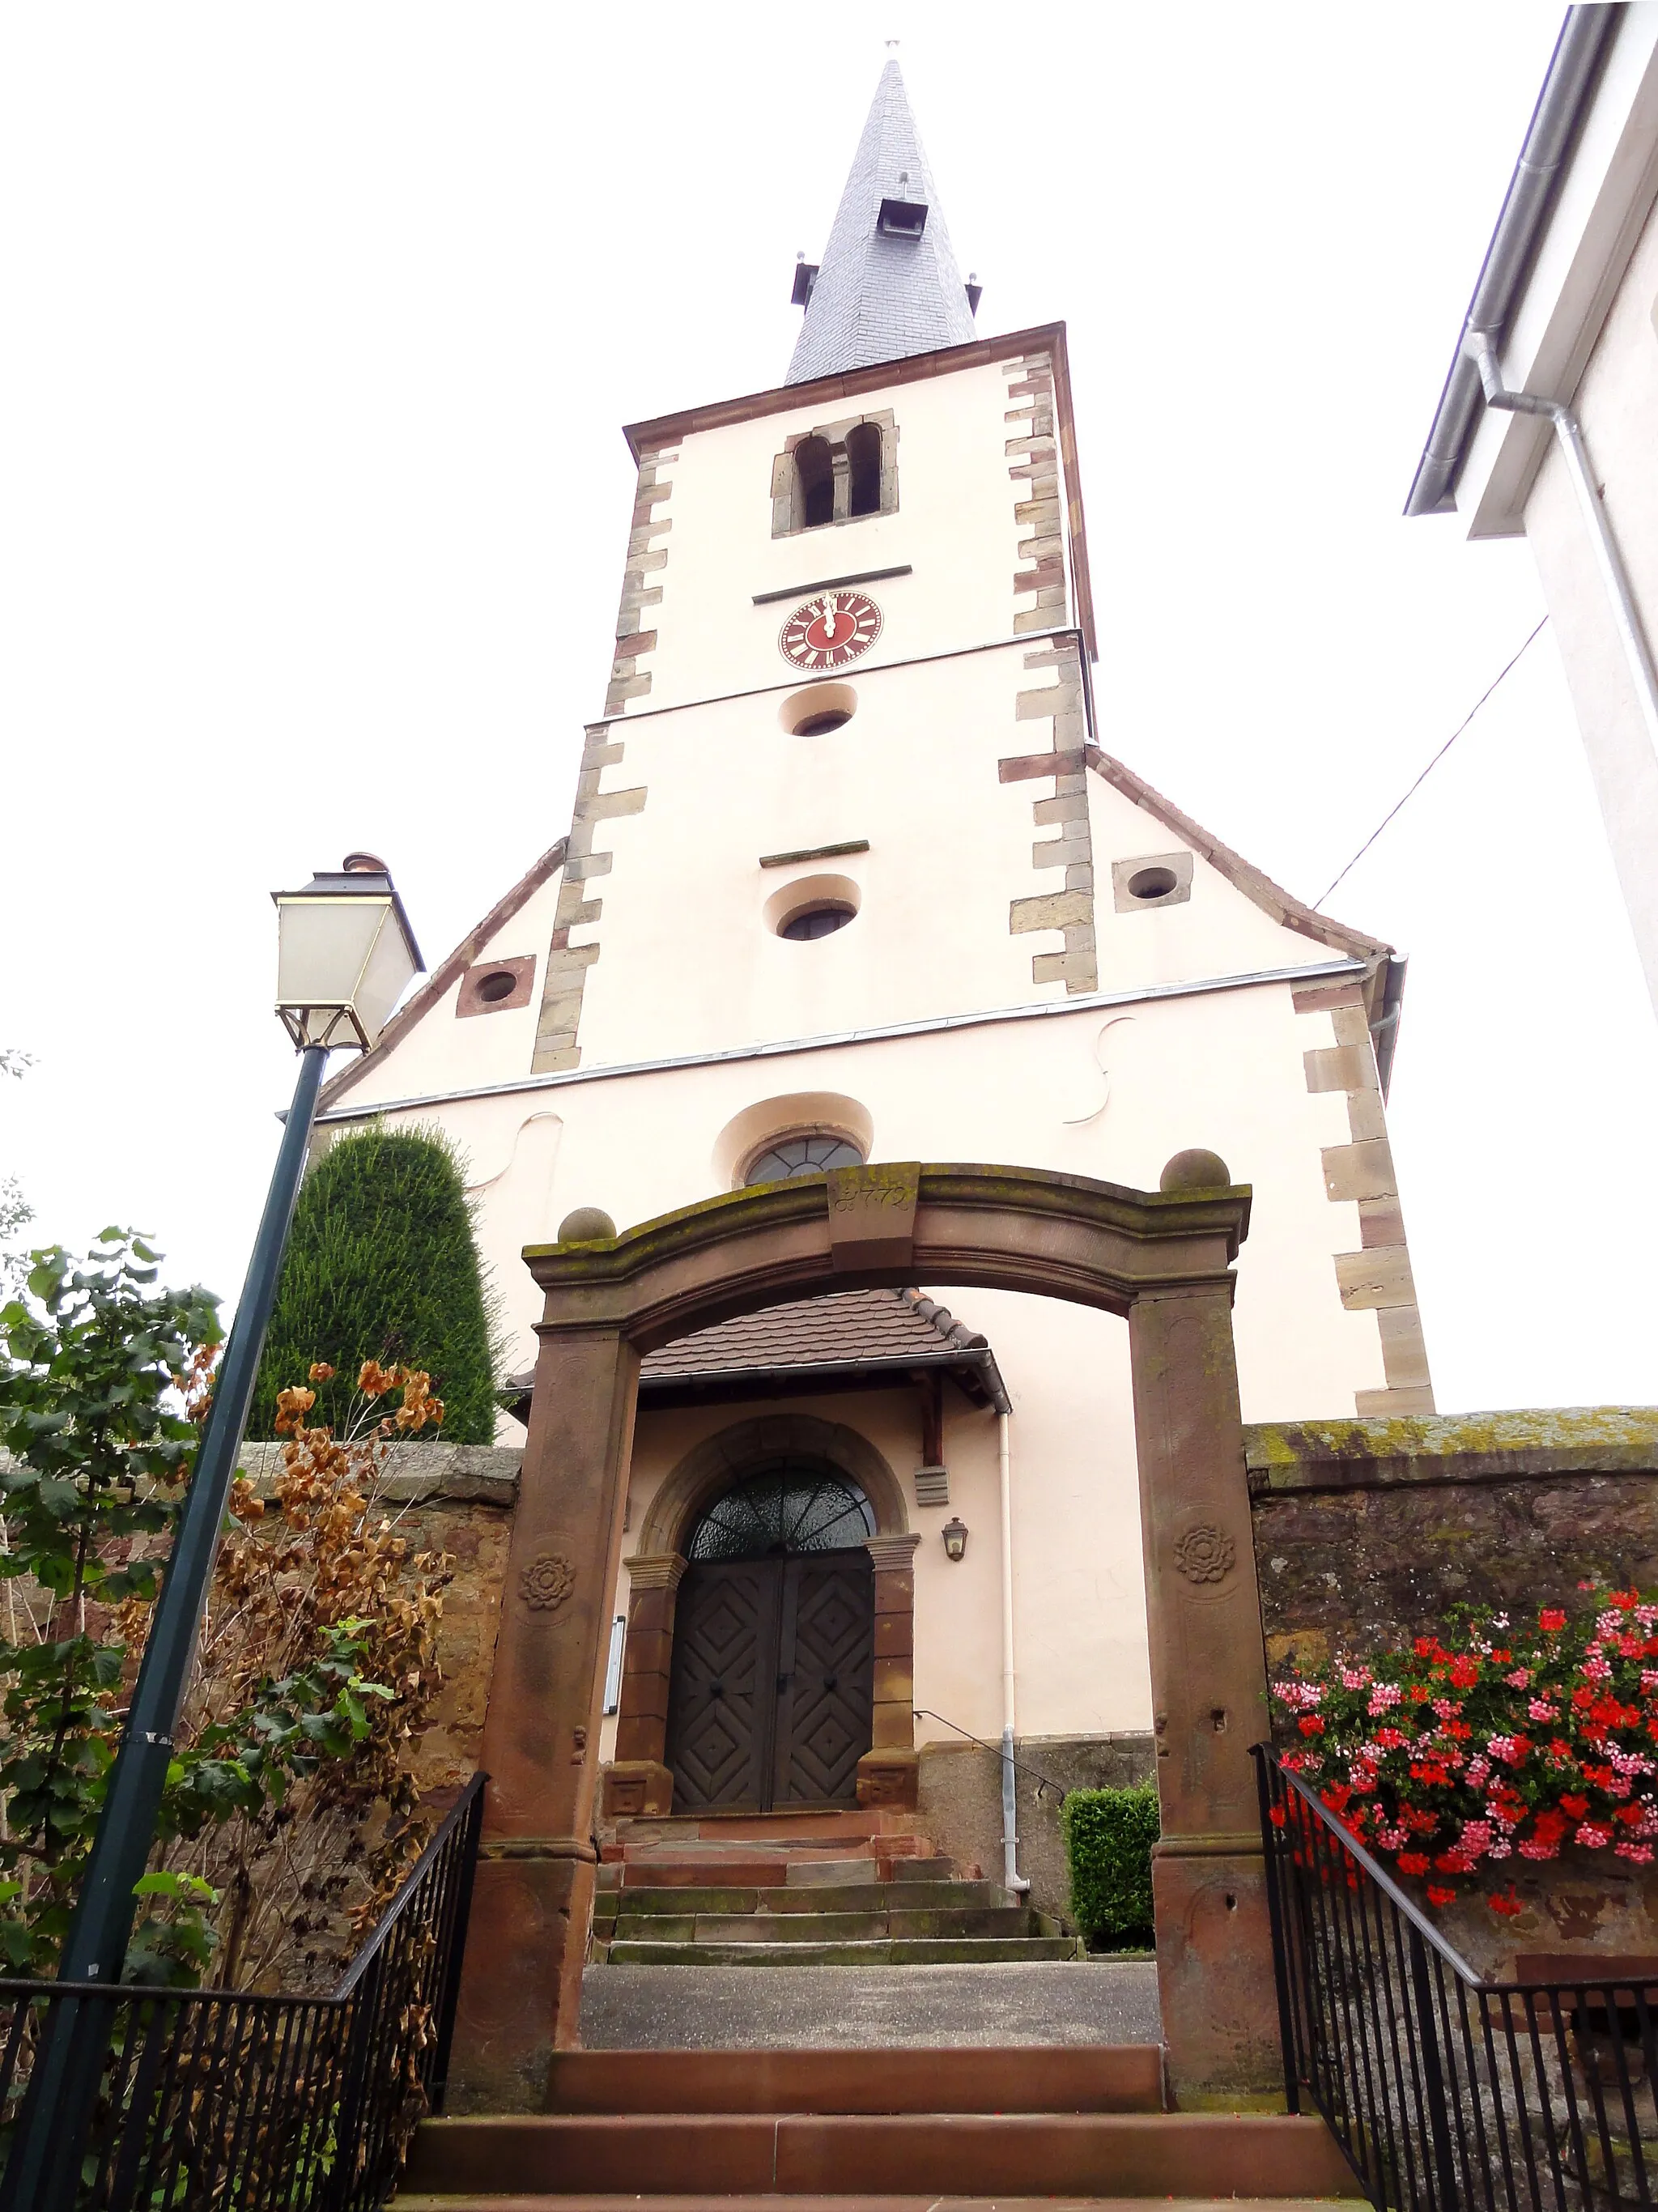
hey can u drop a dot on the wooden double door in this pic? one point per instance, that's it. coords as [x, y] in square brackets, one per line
[773, 1684]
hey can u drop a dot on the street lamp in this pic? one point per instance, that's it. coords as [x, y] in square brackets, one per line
[345, 954]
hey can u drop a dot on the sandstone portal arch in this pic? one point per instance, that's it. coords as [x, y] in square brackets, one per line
[1164, 1260]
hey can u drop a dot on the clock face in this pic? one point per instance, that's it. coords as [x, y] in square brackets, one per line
[830, 630]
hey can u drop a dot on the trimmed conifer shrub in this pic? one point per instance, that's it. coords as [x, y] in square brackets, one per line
[381, 1265]
[1108, 1835]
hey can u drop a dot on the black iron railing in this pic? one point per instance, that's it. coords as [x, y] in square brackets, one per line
[1448, 2093]
[215, 2099]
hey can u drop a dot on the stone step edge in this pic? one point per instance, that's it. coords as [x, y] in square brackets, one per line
[874, 1951]
[466, 2201]
[472, 2201]
[807, 1898]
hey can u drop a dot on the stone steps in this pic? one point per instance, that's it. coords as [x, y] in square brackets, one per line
[928, 2201]
[891, 1951]
[885, 1920]
[1126, 2077]
[867, 2131]
[768, 1896]
[802, 1897]
[551, 2156]
[753, 1867]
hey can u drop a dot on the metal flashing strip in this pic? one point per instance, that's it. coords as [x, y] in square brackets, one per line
[833, 584]
[1315, 971]
[814, 852]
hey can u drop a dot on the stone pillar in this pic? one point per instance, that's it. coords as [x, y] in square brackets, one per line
[889, 1773]
[1209, 1700]
[520, 1996]
[638, 1780]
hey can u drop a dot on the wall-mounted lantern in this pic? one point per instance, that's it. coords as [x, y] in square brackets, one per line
[955, 1535]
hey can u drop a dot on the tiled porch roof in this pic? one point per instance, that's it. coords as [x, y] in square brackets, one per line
[846, 1336]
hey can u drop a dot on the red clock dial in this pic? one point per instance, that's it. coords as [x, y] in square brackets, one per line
[830, 630]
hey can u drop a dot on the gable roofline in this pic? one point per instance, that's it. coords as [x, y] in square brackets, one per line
[659, 430]
[1383, 982]
[447, 972]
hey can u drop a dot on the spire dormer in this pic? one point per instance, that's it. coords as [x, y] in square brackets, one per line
[888, 285]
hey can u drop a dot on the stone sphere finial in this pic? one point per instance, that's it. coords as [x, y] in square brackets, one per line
[586, 1225]
[1197, 1169]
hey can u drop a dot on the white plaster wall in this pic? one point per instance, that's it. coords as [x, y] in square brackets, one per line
[1108, 1093]
[688, 964]
[445, 1051]
[1618, 404]
[953, 524]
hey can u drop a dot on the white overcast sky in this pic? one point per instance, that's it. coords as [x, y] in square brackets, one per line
[321, 322]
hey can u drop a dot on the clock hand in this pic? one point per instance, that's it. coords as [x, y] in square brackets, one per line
[829, 622]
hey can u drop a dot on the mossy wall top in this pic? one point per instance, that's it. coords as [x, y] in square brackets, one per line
[381, 1264]
[1368, 1531]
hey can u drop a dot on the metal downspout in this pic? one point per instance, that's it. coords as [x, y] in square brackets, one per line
[1011, 1878]
[1609, 561]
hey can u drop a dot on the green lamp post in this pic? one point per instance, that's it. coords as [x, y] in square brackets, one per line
[345, 954]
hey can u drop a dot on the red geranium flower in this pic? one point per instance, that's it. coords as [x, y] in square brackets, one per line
[1413, 1861]
[1576, 1806]
[1551, 1619]
[1437, 1894]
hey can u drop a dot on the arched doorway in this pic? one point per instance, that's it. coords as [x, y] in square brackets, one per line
[1161, 1259]
[771, 1697]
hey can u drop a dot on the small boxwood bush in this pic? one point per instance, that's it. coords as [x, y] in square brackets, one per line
[1108, 1835]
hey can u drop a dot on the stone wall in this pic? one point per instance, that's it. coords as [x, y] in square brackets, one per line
[960, 1803]
[1367, 1531]
[456, 1498]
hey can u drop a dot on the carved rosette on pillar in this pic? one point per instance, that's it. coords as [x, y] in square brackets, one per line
[1208, 1687]
[639, 1781]
[889, 1773]
[520, 1996]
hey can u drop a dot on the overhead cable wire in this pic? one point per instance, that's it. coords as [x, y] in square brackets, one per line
[1507, 670]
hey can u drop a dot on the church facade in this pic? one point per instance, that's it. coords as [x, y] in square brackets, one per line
[852, 875]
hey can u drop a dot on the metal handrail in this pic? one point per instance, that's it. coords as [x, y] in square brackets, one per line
[269, 2102]
[1446, 2090]
[923, 1713]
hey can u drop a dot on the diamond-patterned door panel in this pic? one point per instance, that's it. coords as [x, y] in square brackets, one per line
[826, 1674]
[722, 1694]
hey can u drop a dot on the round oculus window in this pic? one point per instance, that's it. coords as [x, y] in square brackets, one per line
[802, 1155]
[1152, 882]
[815, 921]
[501, 985]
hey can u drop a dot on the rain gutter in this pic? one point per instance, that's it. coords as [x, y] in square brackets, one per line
[1573, 70]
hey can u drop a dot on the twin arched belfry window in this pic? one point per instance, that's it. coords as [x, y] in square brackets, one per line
[836, 474]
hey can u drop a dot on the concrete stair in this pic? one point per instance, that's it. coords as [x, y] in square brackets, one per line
[870, 2129]
[835, 1889]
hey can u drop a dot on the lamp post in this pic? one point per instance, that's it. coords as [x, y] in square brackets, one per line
[345, 955]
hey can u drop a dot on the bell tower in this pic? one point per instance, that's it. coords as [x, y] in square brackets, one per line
[840, 778]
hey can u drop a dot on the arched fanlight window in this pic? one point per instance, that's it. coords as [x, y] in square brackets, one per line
[814, 469]
[863, 466]
[803, 1156]
[793, 1505]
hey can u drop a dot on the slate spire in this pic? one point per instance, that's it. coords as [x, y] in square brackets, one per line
[888, 285]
